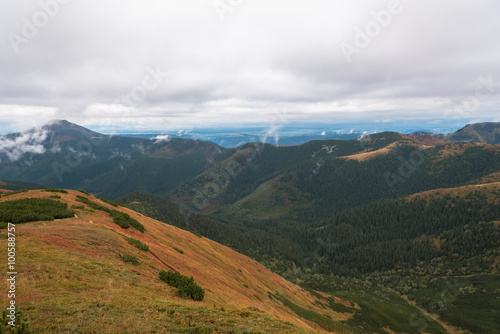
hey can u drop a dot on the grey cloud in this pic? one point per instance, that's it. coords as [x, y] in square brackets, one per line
[265, 55]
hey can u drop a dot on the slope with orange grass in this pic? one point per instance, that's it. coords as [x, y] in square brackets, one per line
[367, 154]
[423, 142]
[71, 279]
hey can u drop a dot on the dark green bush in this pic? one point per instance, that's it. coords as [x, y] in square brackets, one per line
[52, 190]
[138, 244]
[191, 291]
[179, 250]
[33, 209]
[129, 259]
[81, 207]
[95, 206]
[15, 192]
[83, 191]
[113, 203]
[186, 286]
[125, 221]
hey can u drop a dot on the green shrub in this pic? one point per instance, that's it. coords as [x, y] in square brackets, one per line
[15, 192]
[22, 324]
[52, 190]
[83, 191]
[55, 197]
[33, 209]
[186, 286]
[125, 221]
[113, 203]
[129, 259]
[191, 291]
[138, 244]
[95, 206]
[179, 250]
[81, 207]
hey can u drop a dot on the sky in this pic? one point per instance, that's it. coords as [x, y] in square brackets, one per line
[159, 65]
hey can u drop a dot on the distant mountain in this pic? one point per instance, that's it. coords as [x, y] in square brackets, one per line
[409, 213]
[62, 154]
[16, 185]
[487, 133]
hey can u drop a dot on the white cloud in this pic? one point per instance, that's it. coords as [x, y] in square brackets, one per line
[28, 142]
[161, 138]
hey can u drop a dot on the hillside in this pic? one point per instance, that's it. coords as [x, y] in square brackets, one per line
[315, 180]
[415, 245]
[96, 291]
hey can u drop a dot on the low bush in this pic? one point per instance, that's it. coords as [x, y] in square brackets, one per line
[15, 192]
[125, 221]
[33, 209]
[113, 203]
[186, 286]
[95, 206]
[138, 244]
[129, 259]
[52, 190]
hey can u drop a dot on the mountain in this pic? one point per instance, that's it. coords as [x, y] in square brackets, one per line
[16, 185]
[108, 276]
[385, 222]
[62, 154]
[441, 242]
[487, 133]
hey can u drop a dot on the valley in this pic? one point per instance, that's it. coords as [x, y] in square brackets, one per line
[387, 233]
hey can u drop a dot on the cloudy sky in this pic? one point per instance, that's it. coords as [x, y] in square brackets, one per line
[160, 64]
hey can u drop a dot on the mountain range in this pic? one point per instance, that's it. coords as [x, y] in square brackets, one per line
[383, 222]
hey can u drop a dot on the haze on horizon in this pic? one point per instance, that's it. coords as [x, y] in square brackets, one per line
[161, 65]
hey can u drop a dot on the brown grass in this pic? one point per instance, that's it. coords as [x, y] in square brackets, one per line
[67, 267]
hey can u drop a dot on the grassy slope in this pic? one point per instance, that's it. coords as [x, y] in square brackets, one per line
[71, 278]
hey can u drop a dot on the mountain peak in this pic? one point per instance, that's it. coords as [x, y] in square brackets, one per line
[63, 126]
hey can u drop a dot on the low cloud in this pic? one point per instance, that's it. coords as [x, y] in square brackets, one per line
[161, 138]
[14, 147]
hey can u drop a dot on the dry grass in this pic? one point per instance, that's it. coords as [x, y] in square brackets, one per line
[71, 278]
[367, 155]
